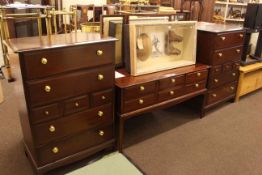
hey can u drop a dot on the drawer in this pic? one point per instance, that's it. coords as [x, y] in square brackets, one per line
[171, 93]
[73, 124]
[236, 65]
[46, 113]
[225, 77]
[226, 40]
[225, 55]
[53, 61]
[196, 76]
[85, 140]
[139, 103]
[171, 82]
[76, 104]
[216, 70]
[227, 67]
[221, 93]
[101, 98]
[196, 87]
[139, 90]
[70, 85]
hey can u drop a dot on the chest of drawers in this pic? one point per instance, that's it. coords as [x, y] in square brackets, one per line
[220, 46]
[65, 90]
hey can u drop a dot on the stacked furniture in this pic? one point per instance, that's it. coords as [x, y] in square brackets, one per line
[140, 94]
[220, 46]
[65, 90]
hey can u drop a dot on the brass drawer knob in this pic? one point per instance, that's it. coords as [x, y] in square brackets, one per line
[44, 61]
[232, 88]
[234, 74]
[76, 104]
[101, 133]
[241, 35]
[99, 52]
[214, 95]
[46, 112]
[141, 101]
[220, 54]
[103, 97]
[216, 80]
[197, 85]
[100, 77]
[48, 88]
[142, 88]
[51, 128]
[199, 74]
[173, 80]
[55, 150]
[223, 38]
[172, 92]
[100, 113]
[238, 50]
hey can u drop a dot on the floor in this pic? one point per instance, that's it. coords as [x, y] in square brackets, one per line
[174, 141]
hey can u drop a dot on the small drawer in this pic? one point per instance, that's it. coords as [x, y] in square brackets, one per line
[139, 90]
[236, 65]
[196, 77]
[46, 113]
[139, 103]
[216, 70]
[85, 140]
[225, 77]
[226, 40]
[171, 82]
[51, 131]
[171, 93]
[226, 55]
[227, 67]
[76, 104]
[196, 87]
[53, 61]
[101, 98]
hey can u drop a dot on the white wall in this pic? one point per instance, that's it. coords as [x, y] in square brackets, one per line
[1, 56]
[67, 3]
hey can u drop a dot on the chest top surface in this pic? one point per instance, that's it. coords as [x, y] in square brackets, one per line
[218, 28]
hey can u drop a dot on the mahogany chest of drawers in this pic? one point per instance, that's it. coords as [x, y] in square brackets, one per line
[65, 90]
[220, 46]
[145, 93]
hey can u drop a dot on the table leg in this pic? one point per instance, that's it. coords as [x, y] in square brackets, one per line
[121, 130]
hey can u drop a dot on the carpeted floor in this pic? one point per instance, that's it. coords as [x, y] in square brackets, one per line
[228, 141]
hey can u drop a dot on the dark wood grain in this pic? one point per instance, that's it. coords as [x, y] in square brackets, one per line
[102, 97]
[171, 82]
[228, 54]
[76, 104]
[196, 76]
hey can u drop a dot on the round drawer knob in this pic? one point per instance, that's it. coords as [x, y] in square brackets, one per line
[103, 97]
[99, 52]
[238, 50]
[214, 95]
[173, 80]
[46, 112]
[101, 133]
[141, 101]
[197, 85]
[234, 74]
[55, 150]
[142, 88]
[232, 88]
[220, 54]
[44, 61]
[223, 38]
[100, 113]
[76, 104]
[216, 80]
[51, 128]
[100, 77]
[241, 35]
[172, 92]
[198, 74]
[48, 88]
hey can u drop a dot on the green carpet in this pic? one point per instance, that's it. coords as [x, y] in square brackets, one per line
[112, 164]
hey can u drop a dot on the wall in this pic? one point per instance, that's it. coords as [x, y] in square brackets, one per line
[1, 56]
[67, 3]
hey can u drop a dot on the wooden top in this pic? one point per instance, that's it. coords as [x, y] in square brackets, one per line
[250, 68]
[130, 80]
[55, 41]
[218, 28]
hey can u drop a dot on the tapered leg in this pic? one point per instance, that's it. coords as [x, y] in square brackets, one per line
[121, 134]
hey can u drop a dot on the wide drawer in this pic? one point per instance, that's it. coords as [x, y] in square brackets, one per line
[171, 82]
[171, 93]
[196, 76]
[102, 97]
[226, 40]
[69, 125]
[139, 90]
[75, 144]
[70, 85]
[196, 87]
[139, 103]
[225, 77]
[53, 61]
[225, 55]
[221, 93]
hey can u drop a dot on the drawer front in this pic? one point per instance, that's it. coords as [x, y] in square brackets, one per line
[171, 82]
[216, 70]
[54, 61]
[171, 93]
[236, 65]
[70, 85]
[101, 98]
[76, 104]
[225, 77]
[229, 40]
[196, 87]
[221, 93]
[75, 144]
[139, 90]
[223, 56]
[46, 113]
[81, 121]
[139, 103]
[196, 76]
[227, 67]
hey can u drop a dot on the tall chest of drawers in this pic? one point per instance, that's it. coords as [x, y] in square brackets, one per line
[220, 46]
[65, 91]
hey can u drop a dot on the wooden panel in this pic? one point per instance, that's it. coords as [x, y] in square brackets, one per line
[196, 76]
[76, 104]
[171, 82]
[102, 97]
[196, 87]
[226, 40]
[171, 93]
[225, 55]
